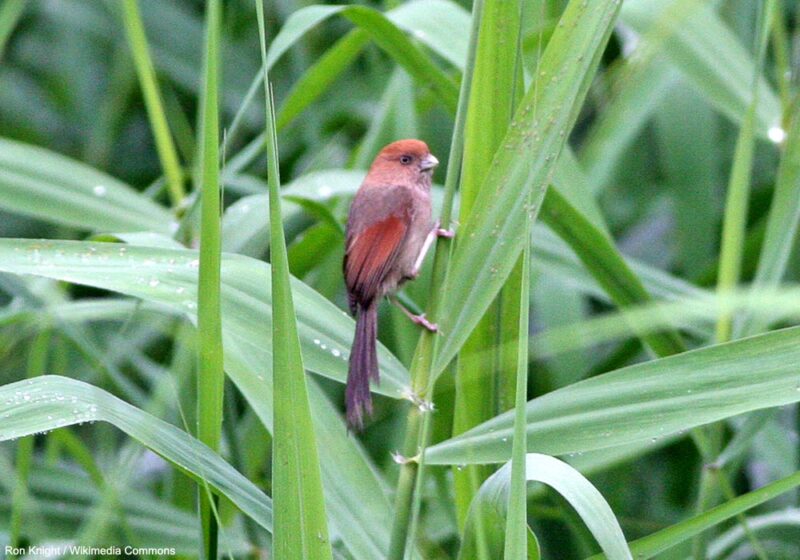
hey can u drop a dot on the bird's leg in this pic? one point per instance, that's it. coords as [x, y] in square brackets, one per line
[424, 251]
[432, 235]
[417, 319]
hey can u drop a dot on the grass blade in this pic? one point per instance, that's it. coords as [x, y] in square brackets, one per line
[735, 218]
[483, 380]
[37, 364]
[645, 401]
[168, 277]
[418, 423]
[782, 222]
[40, 183]
[516, 545]
[385, 34]
[709, 54]
[301, 530]
[210, 373]
[652, 545]
[137, 40]
[579, 492]
[605, 263]
[490, 242]
[43, 410]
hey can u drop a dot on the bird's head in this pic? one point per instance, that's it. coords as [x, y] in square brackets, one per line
[409, 161]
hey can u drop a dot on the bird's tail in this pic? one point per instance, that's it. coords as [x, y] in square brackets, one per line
[363, 367]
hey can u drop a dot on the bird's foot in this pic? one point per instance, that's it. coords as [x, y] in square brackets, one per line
[442, 232]
[423, 322]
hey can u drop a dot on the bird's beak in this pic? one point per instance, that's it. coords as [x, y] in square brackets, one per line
[428, 162]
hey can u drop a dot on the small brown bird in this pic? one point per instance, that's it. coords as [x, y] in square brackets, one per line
[389, 231]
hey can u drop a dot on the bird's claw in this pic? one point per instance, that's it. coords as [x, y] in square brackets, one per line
[423, 322]
[442, 232]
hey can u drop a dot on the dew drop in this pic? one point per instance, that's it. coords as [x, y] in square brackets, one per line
[99, 190]
[776, 134]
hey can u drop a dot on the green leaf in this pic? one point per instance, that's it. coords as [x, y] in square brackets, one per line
[324, 72]
[644, 401]
[50, 402]
[605, 263]
[651, 545]
[210, 373]
[590, 505]
[439, 24]
[734, 226]
[516, 545]
[780, 527]
[489, 243]
[64, 496]
[435, 23]
[485, 366]
[169, 277]
[782, 223]
[51, 187]
[695, 314]
[553, 255]
[167, 153]
[708, 54]
[678, 37]
[385, 34]
[640, 87]
[301, 530]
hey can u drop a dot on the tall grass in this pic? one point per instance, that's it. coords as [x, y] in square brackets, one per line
[210, 374]
[617, 311]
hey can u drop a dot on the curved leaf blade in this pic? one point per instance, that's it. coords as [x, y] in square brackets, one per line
[579, 492]
[51, 401]
[169, 276]
[54, 188]
[645, 401]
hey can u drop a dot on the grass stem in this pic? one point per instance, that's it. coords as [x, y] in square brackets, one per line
[210, 374]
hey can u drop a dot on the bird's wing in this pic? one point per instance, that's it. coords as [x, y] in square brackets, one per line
[372, 250]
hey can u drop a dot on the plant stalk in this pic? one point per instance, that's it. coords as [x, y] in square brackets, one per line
[418, 429]
[210, 374]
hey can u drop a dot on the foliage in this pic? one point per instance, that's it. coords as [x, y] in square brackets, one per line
[617, 310]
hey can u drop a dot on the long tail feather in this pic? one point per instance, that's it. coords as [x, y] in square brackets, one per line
[363, 367]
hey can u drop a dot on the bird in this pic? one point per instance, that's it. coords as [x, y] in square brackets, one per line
[389, 231]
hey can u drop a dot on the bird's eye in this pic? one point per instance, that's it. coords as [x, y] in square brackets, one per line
[405, 160]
